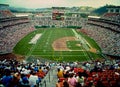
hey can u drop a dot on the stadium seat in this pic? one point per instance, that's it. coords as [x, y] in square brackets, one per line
[103, 78]
[106, 83]
[113, 83]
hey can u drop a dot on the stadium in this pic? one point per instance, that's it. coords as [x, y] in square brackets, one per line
[86, 46]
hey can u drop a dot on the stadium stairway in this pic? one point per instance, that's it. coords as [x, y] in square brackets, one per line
[50, 79]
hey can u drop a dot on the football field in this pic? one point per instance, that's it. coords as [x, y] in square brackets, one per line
[58, 44]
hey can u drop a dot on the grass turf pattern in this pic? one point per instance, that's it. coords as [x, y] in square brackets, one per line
[43, 47]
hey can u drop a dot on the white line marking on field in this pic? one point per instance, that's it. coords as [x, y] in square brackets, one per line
[82, 40]
[86, 46]
[35, 39]
[32, 48]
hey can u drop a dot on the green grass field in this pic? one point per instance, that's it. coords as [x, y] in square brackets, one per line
[43, 48]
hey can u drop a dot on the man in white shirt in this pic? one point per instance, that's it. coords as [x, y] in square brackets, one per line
[33, 79]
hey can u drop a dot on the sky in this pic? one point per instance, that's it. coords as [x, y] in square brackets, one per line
[58, 3]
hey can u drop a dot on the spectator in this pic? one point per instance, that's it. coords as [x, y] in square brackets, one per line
[24, 81]
[7, 79]
[65, 83]
[72, 80]
[33, 79]
[15, 81]
[59, 84]
[60, 73]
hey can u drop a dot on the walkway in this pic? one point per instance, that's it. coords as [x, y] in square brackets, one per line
[50, 79]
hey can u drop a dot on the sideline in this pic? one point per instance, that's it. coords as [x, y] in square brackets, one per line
[82, 40]
[85, 45]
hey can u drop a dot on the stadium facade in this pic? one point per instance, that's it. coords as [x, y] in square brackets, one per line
[58, 17]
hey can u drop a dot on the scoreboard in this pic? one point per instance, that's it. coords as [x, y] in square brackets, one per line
[58, 13]
[58, 16]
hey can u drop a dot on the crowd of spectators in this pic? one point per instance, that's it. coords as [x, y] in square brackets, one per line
[5, 14]
[8, 56]
[115, 26]
[10, 35]
[105, 33]
[97, 73]
[48, 21]
[12, 29]
[107, 39]
[22, 74]
[5, 22]
[113, 17]
[89, 74]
